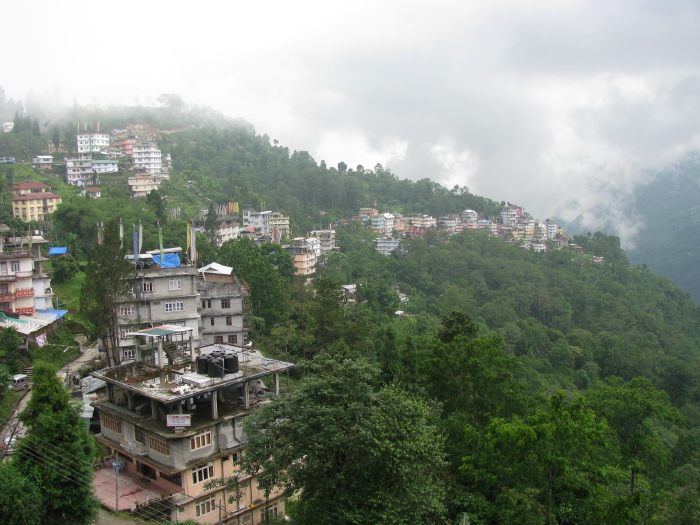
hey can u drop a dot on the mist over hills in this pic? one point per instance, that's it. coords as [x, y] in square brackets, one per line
[669, 237]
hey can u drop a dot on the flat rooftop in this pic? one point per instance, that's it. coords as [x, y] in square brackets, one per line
[180, 381]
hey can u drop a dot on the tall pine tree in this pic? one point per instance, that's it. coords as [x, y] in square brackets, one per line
[56, 454]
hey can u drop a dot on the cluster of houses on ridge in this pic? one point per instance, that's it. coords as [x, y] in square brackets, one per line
[98, 153]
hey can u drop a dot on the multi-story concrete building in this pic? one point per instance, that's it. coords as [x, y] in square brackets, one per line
[326, 239]
[164, 292]
[469, 216]
[304, 255]
[105, 166]
[25, 287]
[125, 144]
[258, 220]
[43, 162]
[80, 172]
[510, 215]
[147, 158]
[142, 185]
[176, 422]
[91, 142]
[422, 221]
[386, 245]
[281, 223]
[35, 206]
[224, 305]
[228, 230]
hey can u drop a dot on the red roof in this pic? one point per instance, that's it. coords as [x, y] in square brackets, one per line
[29, 186]
[38, 195]
[92, 189]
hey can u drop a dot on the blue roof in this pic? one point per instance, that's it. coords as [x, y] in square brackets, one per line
[57, 313]
[57, 251]
[170, 260]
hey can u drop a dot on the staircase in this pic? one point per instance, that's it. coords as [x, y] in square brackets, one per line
[26, 367]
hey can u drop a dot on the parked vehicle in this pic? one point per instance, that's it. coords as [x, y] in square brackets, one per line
[18, 382]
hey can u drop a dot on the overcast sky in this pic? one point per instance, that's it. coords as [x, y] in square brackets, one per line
[557, 105]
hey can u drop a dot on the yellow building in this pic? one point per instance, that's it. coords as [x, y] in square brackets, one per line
[34, 206]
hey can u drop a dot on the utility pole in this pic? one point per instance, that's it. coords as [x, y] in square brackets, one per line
[116, 485]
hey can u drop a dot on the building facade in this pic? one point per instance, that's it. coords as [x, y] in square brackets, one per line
[147, 158]
[25, 286]
[35, 206]
[160, 295]
[92, 142]
[224, 306]
[179, 425]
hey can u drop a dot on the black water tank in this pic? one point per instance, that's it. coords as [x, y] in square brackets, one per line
[202, 365]
[216, 367]
[231, 364]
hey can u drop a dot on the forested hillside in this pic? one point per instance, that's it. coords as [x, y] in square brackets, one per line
[516, 387]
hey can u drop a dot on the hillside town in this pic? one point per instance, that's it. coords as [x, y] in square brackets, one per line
[169, 404]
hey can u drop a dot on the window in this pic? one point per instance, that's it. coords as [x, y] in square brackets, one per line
[126, 309]
[205, 507]
[111, 423]
[269, 513]
[158, 445]
[218, 339]
[129, 354]
[200, 440]
[140, 435]
[203, 473]
[175, 284]
[225, 303]
[147, 286]
[233, 339]
[14, 266]
[229, 320]
[174, 306]
[248, 518]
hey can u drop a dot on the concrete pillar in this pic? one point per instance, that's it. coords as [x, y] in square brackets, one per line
[246, 395]
[277, 384]
[215, 405]
[154, 410]
[161, 355]
[130, 399]
[192, 356]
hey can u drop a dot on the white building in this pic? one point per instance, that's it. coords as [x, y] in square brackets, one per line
[105, 166]
[92, 142]
[386, 245]
[147, 157]
[79, 172]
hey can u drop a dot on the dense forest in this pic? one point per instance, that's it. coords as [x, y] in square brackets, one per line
[534, 387]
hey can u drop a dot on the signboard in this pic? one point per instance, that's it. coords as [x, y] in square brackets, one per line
[179, 420]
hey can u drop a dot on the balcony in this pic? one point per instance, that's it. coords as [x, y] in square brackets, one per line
[16, 254]
[25, 292]
[11, 296]
[7, 278]
[21, 275]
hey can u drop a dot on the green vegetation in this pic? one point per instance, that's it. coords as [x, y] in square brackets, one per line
[55, 456]
[518, 387]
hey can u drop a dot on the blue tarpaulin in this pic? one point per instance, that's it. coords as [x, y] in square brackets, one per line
[171, 260]
[57, 251]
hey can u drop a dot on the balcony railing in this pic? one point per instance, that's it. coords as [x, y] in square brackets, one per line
[8, 296]
[7, 278]
[21, 275]
[16, 254]
[25, 292]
